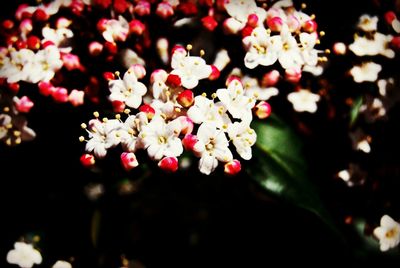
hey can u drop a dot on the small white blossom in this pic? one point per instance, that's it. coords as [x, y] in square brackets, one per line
[304, 101]
[103, 136]
[116, 30]
[211, 147]
[237, 104]
[130, 132]
[289, 53]
[161, 138]
[252, 89]
[388, 233]
[377, 45]
[24, 255]
[243, 137]
[190, 69]
[239, 10]
[367, 72]
[129, 90]
[58, 36]
[205, 110]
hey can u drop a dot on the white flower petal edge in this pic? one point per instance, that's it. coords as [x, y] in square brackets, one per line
[388, 233]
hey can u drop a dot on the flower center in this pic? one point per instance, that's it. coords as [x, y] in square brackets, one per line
[391, 233]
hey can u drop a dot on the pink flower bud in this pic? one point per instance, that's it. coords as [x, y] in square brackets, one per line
[158, 75]
[136, 27]
[310, 26]
[293, 75]
[60, 94]
[270, 79]
[142, 8]
[108, 76]
[102, 24]
[20, 44]
[129, 161]
[173, 80]
[215, 73]
[209, 23]
[390, 16]
[275, 24]
[395, 42]
[95, 48]
[189, 141]
[7, 24]
[178, 49]
[87, 160]
[252, 20]
[13, 87]
[23, 105]
[111, 47]
[47, 44]
[40, 15]
[21, 12]
[26, 26]
[77, 7]
[232, 78]
[262, 110]
[71, 62]
[118, 106]
[186, 124]
[76, 97]
[164, 10]
[246, 31]
[188, 8]
[138, 70]
[233, 167]
[46, 88]
[339, 48]
[33, 42]
[148, 110]
[169, 164]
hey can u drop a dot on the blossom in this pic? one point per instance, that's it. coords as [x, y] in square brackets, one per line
[233, 98]
[116, 30]
[211, 147]
[103, 136]
[377, 45]
[205, 110]
[388, 233]
[262, 49]
[289, 53]
[254, 90]
[367, 72]
[190, 69]
[240, 10]
[130, 131]
[62, 264]
[59, 37]
[242, 137]
[368, 23]
[24, 255]
[304, 101]
[161, 138]
[129, 90]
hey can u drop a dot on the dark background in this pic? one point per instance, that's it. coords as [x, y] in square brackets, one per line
[188, 220]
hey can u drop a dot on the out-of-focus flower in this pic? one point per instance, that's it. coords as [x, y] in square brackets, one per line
[368, 23]
[24, 255]
[304, 101]
[367, 72]
[62, 264]
[388, 233]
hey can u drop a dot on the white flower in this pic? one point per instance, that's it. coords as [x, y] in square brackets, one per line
[24, 255]
[289, 53]
[190, 69]
[304, 101]
[58, 37]
[252, 89]
[62, 264]
[46, 63]
[238, 105]
[368, 23]
[309, 54]
[161, 139]
[378, 45]
[211, 147]
[103, 136]
[205, 110]
[262, 49]
[368, 72]
[388, 233]
[243, 137]
[240, 10]
[116, 30]
[18, 66]
[130, 132]
[129, 90]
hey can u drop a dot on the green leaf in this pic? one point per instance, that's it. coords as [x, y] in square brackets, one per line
[355, 110]
[279, 167]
